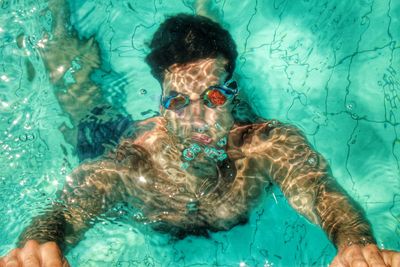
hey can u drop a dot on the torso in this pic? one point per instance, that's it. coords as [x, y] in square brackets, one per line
[173, 199]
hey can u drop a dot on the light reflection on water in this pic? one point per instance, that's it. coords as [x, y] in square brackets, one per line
[332, 72]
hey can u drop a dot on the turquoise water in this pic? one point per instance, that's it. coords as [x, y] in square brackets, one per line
[329, 67]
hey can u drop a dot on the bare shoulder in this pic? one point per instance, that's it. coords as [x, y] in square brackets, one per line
[263, 130]
[148, 138]
[150, 130]
[151, 123]
[255, 138]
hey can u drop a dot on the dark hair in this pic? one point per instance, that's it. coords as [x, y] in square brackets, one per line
[186, 38]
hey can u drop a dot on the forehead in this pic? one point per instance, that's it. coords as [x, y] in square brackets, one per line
[194, 77]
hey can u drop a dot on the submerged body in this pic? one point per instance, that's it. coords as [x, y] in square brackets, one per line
[183, 192]
[209, 196]
[149, 174]
[190, 198]
[191, 195]
[194, 169]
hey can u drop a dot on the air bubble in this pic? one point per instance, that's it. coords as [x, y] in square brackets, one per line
[351, 105]
[222, 142]
[272, 123]
[26, 137]
[143, 91]
[312, 160]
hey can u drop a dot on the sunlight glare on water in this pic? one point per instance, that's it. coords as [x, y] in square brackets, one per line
[329, 67]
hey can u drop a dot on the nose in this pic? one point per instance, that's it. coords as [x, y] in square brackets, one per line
[197, 116]
[197, 109]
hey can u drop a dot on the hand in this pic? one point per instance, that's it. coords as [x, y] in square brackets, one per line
[364, 256]
[34, 254]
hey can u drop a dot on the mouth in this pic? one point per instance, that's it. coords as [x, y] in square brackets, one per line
[202, 138]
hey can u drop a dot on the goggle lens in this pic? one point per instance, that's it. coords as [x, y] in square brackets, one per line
[214, 97]
[176, 102]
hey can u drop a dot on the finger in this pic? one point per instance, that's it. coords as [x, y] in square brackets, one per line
[12, 260]
[387, 257]
[65, 263]
[51, 255]
[373, 256]
[359, 263]
[353, 257]
[29, 254]
[395, 262]
[336, 263]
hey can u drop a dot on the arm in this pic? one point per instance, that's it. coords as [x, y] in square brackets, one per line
[64, 52]
[305, 179]
[92, 189]
[69, 61]
[44, 240]
[89, 191]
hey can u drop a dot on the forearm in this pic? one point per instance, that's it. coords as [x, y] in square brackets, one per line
[64, 223]
[70, 61]
[88, 192]
[304, 177]
[50, 226]
[317, 196]
[342, 218]
[314, 193]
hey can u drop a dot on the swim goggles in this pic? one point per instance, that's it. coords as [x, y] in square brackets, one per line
[213, 96]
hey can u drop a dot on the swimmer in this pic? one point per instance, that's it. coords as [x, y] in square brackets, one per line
[201, 165]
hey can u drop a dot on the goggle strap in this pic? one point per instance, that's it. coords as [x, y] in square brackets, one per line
[231, 84]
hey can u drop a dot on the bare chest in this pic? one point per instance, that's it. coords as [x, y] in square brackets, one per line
[204, 195]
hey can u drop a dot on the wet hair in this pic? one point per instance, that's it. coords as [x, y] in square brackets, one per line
[185, 38]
